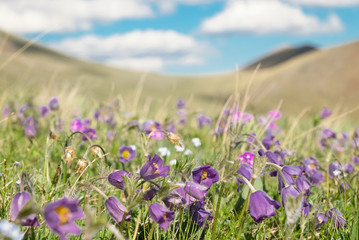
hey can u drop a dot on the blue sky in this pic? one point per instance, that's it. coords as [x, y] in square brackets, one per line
[180, 36]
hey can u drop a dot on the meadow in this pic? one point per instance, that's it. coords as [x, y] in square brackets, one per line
[122, 169]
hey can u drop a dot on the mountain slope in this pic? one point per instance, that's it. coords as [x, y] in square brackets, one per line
[323, 77]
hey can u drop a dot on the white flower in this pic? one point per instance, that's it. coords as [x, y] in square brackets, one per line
[18, 182]
[17, 163]
[179, 148]
[10, 230]
[196, 142]
[164, 152]
[337, 172]
[187, 152]
[133, 147]
[138, 171]
[173, 162]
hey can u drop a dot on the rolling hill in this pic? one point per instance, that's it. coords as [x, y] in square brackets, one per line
[302, 77]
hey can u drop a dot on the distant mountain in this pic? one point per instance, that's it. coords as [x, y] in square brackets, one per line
[280, 56]
[301, 77]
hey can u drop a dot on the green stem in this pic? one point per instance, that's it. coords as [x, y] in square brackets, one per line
[243, 216]
[151, 231]
[217, 211]
[279, 169]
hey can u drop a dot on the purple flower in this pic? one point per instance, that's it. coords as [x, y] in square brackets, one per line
[335, 169]
[127, 153]
[6, 111]
[317, 178]
[161, 215]
[205, 175]
[91, 133]
[344, 186]
[116, 179]
[320, 220]
[328, 133]
[311, 166]
[153, 168]
[325, 113]
[268, 142]
[60, 216]
[203, 120]
[275, 114]
[111, 135]
[292, 191]
[196, 190]
[150, 194]
[174, 198]
[78, 125]
[44, 111]
[31, 127]
[261, 205]
[246, 157]
[116, 210]
[288, 173]
[355, 159]
[180, 103]
[246, 171]
[54, 104]
[150, 126]
[303, 185]
[199, 214]
[18, 202]
[348, 168]
[336, 217]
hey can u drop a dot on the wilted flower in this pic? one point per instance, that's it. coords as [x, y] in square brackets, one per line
[10, 230]
[127, 153]
[161, 215]
[18, 203]
[60, 216]
[199, 214]
[336, 217]
[175, 139]
[205, 175]
[80, 166]
[196, 142]
[325, 113]
[54, 104]
[153, 168]
[196, 190]
[116, 210]
[70, 154]
[261, 205]
[116, 178]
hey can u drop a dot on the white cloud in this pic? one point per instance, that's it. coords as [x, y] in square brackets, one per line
[144, 50]
[327, 3]
[24, 16]
[266, 17]
[168, 6]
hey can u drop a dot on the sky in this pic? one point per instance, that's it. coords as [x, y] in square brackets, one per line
[187, 37]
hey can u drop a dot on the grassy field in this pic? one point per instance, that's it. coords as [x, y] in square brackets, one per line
[194, 189]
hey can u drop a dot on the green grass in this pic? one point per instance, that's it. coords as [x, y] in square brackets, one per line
[49, 179]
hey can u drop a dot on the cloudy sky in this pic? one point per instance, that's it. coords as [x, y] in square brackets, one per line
[180, 36]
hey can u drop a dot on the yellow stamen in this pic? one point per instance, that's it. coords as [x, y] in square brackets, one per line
[63, 213]
[156, 166]
[204, 175]
[164, 216]
[125, 154]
